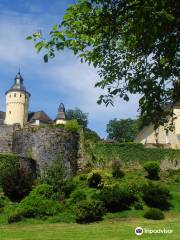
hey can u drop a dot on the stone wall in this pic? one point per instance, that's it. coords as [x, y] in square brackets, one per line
[6, 138]
[45, 143]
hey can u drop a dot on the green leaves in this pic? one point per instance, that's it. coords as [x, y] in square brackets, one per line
[134, 45]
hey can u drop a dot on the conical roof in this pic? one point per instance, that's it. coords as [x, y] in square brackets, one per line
[18, 84]
[61, 112]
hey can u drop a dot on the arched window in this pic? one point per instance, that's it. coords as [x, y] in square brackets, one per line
[15, 95]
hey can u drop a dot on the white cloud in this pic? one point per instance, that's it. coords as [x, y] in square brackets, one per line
[65, 75]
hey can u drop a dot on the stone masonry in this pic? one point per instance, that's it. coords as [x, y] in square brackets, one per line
[42, 144]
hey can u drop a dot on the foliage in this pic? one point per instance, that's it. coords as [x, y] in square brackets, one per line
[72, 125]
[89, 211]
[123, 130]
[54, 174]
[17, 183]
[38, 203]
[134, 45]
[16, 216]
[154, 213]
[77, 196]
[138, 205]
[79, 115]
[126, 152]
[156, 195]
[117, 197]
[91, 135]
[7, 163]
[116, 169]
[68, 186]
[94, 179]
[153, 170]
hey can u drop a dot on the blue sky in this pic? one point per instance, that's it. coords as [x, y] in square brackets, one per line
[64, 79]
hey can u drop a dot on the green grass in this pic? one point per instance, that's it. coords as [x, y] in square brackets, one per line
[115, 226]
[119, 229]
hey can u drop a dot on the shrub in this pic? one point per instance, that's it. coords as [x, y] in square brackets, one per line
[94, 179]
[83, 177]
[54, 174]
[89, 211]
[91, 135]
[17, 183]
[38, 203]
[77, 196]
[156, 196]
[154, 213]
[138, 205]
[68, 186]
[153, 170]
[117, 197]
[16, 216]
[72, 125]
[116, 169]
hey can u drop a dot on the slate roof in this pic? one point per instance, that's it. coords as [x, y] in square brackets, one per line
[18, 85]
[40, 115]
[61, 112]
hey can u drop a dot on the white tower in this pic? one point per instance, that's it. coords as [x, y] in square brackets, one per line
[17, 103]
[61, 118]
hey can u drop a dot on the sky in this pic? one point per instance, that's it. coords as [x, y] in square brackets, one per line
[63, 79]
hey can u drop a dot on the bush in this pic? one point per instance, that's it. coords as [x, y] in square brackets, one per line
[138, 205]
[117, 197]
[54, 175]
[68, 187]
[17, 183]
[39, 203]
[116, 169]
[94, 179]
[89, 211]
[156, 196]
[16, 216]
[154, 213]
[77, 196]
[153, 170]
[72, 125]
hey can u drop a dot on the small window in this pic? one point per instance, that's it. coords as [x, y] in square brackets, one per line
[9, 112]
[10, 96]
[15, 95]
[20, 95]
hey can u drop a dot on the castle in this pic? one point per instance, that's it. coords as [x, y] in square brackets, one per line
[17, 108]
[161, 137]
[31, 135]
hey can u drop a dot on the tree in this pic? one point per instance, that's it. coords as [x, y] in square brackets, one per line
[123, 130]
[79, 115]
[133, 43]
[54, 174]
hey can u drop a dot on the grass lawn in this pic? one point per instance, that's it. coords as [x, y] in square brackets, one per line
[115, 229]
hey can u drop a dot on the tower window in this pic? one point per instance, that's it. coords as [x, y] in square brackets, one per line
[15, 95]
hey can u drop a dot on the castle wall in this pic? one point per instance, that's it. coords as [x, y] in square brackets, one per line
[6, 138]
[45, 143]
